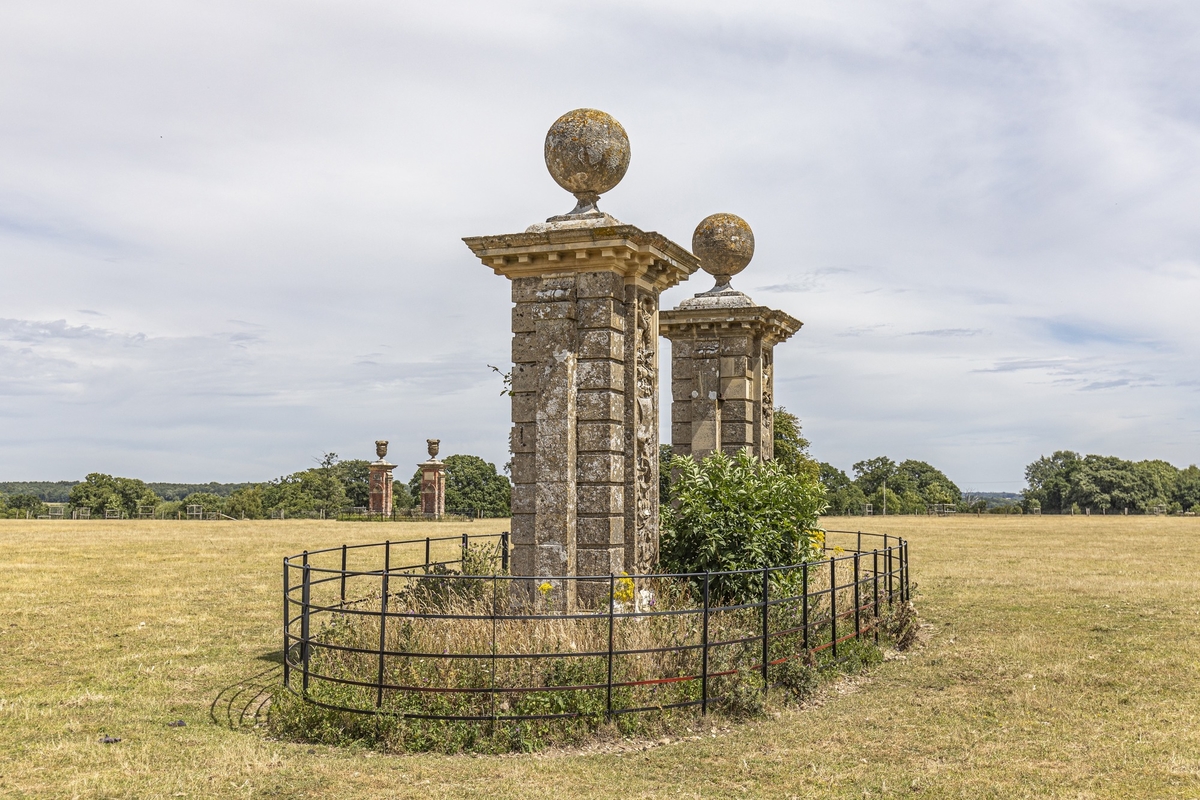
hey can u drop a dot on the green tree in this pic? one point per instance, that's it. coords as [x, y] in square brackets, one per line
[472, 486]
[246, 503]
[872, 473]
[733, 513]
[24, 504]
[1187, 490]
[791, 448]
[101, 493]
[844, 496]
[209, 502]
[355, 474]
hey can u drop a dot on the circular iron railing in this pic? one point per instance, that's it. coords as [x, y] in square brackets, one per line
[363, 626]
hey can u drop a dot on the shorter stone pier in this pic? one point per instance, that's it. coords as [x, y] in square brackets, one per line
[722, 352]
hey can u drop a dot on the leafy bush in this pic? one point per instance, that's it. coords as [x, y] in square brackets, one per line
[738, 513]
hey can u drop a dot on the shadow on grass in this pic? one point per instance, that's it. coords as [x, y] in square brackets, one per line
[244, 703]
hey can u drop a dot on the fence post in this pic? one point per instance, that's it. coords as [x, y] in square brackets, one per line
[857, 601]
[463, 561]
[888, 556]
[504, 551]
[875, 591]
[383, 604]
[305, 597]
[804, 612]
[286, 622]
[612, 579]
[343, 578]
[704, 654]
[494, 612]
[907, 587]
[833, 604]
[766, 642]
[426, 555]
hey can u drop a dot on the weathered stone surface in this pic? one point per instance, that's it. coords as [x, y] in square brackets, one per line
[603, 343]
[603, 405]
[601, 436]
[523, 468]
[599, 285]
[584, 402]
[600, 468]
[600, 561]
[601, 531]
[523, 438]
[601, 314]
[601, 374]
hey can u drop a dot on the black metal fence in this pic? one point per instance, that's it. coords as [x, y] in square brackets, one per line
[392, 628]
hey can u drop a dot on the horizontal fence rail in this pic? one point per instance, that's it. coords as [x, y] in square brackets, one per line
[402, 628]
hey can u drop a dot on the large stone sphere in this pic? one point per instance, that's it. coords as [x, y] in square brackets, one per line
[724, 244]
[587, 152]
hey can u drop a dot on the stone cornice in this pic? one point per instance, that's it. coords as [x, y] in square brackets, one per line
[772, 325]
[639, 256]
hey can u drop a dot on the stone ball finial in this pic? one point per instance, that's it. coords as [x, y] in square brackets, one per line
[587, 153]
[724, 244]
[433, 445]
[381, 447]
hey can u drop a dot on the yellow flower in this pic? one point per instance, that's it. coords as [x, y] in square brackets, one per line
[623, 591]
[546, 588]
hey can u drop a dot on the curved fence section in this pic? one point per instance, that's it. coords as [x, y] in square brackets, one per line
[434, 628]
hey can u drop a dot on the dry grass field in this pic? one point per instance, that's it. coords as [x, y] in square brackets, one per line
[1062, 660]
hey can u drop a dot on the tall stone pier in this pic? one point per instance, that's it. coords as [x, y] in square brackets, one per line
[585, 290]
[379, 497]
[722, 352]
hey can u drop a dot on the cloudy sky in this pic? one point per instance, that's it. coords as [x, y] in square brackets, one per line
[230, 231]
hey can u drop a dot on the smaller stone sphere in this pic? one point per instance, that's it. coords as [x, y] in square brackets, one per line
[587, 152]
[724, 244]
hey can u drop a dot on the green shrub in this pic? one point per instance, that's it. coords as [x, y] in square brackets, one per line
[799, 679]
[739, 513]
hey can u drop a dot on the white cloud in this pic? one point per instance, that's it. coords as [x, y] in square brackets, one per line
[229, 232]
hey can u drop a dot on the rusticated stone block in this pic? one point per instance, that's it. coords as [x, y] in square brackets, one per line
[682, 370]
[601, 436]
[521, 531]
[601, 499]
[600, 468]
[599, 284]
[735, 367]
[599, 561]
[555, 289]
[524, 378]
[601, 314]
[603, 531]
[523, 468]
[528, 348]
[736, 435]
[681, 392]
[604, 405]
[523, 497]
[547, 311]
[524, 407]
[737, 345]
[602, 343]
[681, 412]
[523, 438]
[601, 374]
[523, 320]
[737, 411]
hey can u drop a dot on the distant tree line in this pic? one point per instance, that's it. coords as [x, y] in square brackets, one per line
[1067, 482]
[472, 487]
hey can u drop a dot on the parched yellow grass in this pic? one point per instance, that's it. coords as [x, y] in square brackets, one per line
[1063, 661]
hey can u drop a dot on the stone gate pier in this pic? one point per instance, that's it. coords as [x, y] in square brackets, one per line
[722, 352]
[585, 290]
